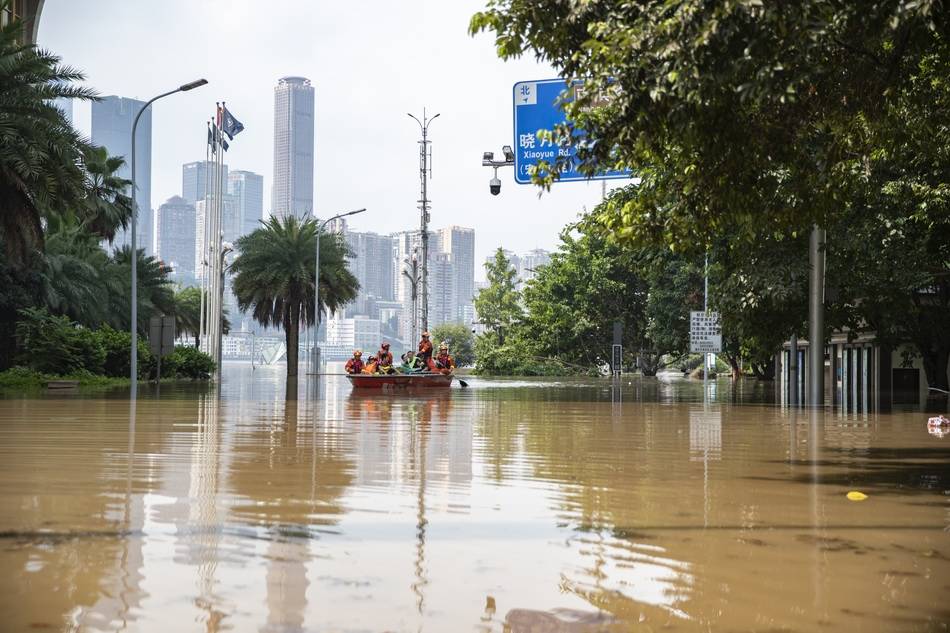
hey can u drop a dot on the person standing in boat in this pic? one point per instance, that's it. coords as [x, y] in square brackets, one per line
[355, 364]
[384, 359]
[443, 361]
[425, 350]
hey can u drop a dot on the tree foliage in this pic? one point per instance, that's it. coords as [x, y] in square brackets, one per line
[41, 154]
[274, 277]
[498, 305]
[734, 114]
[460, 340]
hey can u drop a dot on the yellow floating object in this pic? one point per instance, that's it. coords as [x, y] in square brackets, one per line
[854, 495]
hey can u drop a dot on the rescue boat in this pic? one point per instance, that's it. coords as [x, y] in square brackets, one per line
[392, 381]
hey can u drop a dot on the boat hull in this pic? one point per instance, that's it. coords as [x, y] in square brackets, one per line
[391, 381]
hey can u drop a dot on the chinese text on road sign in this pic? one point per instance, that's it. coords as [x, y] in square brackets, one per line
[705, 334]
[536, 112]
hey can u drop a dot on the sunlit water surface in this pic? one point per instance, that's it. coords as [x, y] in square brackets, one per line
[517, 506]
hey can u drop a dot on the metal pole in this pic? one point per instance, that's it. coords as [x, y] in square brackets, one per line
[202, 327]
[425, 228]
[816, 318]
[705, 309]
[424, 173]
[134, 359]
[793, 370]
[315, 356]
[134, 363]
[315, 353]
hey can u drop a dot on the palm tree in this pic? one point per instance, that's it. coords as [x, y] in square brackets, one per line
[72, 270]
[155, 293]
[188, 314]
[106, 207]
[274, 277]
[41, 154]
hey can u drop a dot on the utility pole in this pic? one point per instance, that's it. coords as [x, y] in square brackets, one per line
[425, 172]
[816, 317]
[413, 277]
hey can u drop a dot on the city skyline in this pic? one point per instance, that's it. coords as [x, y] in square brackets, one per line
[366, 147]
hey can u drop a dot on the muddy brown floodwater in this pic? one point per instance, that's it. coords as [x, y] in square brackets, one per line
[534, 506]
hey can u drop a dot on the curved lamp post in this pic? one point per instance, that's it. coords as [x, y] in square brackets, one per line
[314, 352]
[135, 285]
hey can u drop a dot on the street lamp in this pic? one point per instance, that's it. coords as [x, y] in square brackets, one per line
[315, 354]
[135, 285]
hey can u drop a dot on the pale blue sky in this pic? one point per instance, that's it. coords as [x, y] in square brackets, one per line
[370, 63]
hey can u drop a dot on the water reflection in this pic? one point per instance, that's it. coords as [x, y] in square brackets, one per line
[509, 506]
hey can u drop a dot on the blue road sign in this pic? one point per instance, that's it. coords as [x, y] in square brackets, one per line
[536, 109]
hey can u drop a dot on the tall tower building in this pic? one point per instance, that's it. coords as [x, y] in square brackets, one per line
[460, 242]
[372, 264]
[175, 237]
[293, 148]
[112, 128]
[194, 177]
[247, 189]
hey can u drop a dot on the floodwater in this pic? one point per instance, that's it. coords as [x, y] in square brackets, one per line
[519, 506]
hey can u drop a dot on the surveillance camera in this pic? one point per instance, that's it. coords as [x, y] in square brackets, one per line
[487, 158]
[494, 185]
[509, 155]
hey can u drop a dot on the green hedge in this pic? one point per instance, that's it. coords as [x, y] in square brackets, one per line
[53, 346]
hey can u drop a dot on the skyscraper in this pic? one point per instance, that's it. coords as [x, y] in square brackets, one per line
[193, 179]
[460, 242]
[112, 119]
[247, 189]
[293, 148]
[443, 290]
[175, 238]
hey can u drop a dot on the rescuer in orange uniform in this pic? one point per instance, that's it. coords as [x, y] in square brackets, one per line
[384, 359]
[355, 364]
[425, 349]
[443, 361]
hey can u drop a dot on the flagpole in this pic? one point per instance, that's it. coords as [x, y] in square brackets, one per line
[204, 241]
[213, 242]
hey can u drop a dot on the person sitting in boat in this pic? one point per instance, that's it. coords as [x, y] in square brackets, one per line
[355, 364]
[425, 349]
[384, 360]
[443, 361]
[411, 362]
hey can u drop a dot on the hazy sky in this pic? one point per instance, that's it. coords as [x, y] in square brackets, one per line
[370, 62]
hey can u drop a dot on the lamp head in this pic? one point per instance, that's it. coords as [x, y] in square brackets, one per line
[197, 83]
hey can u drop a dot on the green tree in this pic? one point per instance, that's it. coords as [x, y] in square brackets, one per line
[498, 305]
[274, 277]
[106, 208]
[460, 340]
[188, 313]
[41, 154]
[738, 115]
[155, 291]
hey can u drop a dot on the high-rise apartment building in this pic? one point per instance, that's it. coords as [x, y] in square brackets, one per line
[231, 227]
[194, 178]
[292, 192]
[247, 189]
[460, 242]
[175, 238]
[443, 290]
[112, 118]
[530, 262]
[372, 264]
